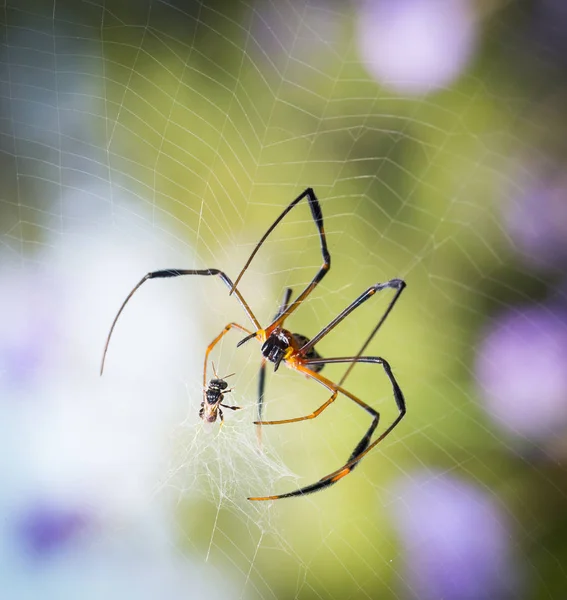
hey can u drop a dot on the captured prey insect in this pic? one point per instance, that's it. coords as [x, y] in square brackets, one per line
[279, 345]
[213, 395]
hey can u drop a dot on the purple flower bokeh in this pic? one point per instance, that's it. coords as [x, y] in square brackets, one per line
[455, 540]
[28, 328]
[416, 46]
[537, 221]
[45, 529]
[521, 370]
[549, 22]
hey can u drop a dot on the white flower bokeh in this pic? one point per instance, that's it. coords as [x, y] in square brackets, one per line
[84, 510]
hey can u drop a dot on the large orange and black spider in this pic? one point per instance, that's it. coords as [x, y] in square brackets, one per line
[279, 345]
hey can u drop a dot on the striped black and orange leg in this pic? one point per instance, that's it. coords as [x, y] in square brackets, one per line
[323, 381]
[365, 445]
[211, 347]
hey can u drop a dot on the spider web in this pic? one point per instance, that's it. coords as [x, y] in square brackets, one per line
[149, 135]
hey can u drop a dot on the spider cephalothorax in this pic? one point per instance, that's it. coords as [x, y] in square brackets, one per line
[278, 346]
[282, 345]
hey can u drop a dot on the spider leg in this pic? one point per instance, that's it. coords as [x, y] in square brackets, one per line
[364, 446]
[284, 304]
[262, 374]
[210, 348]
[178, 273]
[329, 479]
[317, 215]
[260, 403]
[323, 381]
[397, 284]
[361, 451]
[261, 387]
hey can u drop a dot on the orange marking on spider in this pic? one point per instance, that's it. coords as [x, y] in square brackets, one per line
[340, 475]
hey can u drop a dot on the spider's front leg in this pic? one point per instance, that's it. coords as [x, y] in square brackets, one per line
[169, 273]
[212, 345]
[317, 215]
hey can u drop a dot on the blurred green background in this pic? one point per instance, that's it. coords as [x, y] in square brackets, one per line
[196, 123]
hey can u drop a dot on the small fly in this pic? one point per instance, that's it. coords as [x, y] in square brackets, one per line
[213, 396]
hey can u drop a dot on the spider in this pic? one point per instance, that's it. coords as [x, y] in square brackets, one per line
[297, 351]
[213, 395]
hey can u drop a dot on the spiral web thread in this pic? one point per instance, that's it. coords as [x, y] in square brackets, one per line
[192, 128]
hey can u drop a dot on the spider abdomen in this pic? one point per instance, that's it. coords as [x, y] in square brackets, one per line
[277, 346]
[300, 341]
